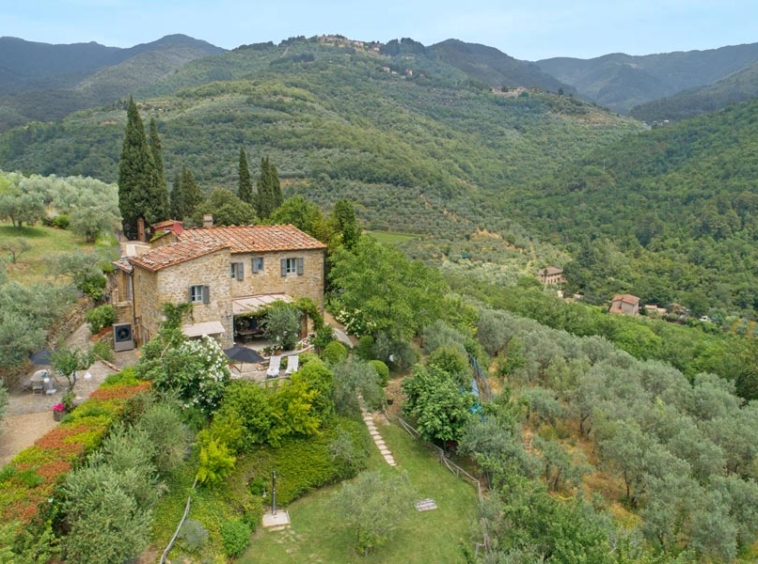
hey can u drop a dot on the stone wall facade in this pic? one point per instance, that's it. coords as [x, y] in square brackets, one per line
[309, 284]
[152, 289]
[172, 285]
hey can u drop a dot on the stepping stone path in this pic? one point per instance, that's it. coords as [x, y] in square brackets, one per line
[378, 440]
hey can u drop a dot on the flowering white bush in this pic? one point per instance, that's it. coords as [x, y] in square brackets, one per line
[196, 370]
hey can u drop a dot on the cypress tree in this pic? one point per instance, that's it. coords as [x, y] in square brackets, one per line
[245, 191]
[276, 188]
[264, 202]
[177, 198]
[159, 192]
[136, 173]
[191, 192]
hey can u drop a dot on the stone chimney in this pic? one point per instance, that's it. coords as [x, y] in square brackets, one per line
[207, 220]
[141, 229]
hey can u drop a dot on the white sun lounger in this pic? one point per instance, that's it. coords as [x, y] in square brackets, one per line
[293, 362]
[274, 366]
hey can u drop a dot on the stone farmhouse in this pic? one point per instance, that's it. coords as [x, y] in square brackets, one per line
[625, 304]
[226, 273]
[551, 275]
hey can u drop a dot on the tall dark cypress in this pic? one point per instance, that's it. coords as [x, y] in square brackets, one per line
[276, 188]
[159, 191]
[245, 190]
[264, 202]
[191, 192]
[177, 199]
[136, 173]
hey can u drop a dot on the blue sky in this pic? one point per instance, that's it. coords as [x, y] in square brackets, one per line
[529, 30]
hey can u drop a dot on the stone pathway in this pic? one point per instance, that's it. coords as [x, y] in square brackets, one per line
[378, 440]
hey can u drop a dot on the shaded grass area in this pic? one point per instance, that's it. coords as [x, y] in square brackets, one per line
[318, 534]
[390, 237]
[46, 242]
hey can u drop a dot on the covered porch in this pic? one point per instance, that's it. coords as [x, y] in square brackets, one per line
[248, 313]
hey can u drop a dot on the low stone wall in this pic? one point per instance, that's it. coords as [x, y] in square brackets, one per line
[71, 321]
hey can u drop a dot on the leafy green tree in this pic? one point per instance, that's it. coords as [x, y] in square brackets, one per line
[21, 207]
[107, 504]
[245, 188]
[15, 248]
[282, 324]
[162, 423]
[159, 192]
[345, 223]
[374, 507]
[438, 403]
[352, 378]
[304, 215]
[137, 176]
[226, 208]
[376, 289]
[94, 215]
[68, 361]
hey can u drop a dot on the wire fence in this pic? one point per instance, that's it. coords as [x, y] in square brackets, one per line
[441, 455]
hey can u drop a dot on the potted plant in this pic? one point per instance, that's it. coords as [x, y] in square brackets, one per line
[59, 410]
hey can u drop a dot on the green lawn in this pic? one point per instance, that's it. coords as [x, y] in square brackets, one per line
[391, 238]
[317, 535]
[31, 266]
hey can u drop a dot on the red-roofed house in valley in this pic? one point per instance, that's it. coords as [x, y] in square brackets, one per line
[226, 273]
[626, 304]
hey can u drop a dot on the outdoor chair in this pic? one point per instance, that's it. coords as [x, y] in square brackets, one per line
[274, 366]
[292, 364]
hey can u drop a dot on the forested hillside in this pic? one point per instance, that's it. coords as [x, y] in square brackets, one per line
[43, 82]
[621, 81]
[408, 137]
[737, 87]
[669, 215]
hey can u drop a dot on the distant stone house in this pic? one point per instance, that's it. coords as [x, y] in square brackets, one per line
[625, 304]
[224, 272]
[551, 275]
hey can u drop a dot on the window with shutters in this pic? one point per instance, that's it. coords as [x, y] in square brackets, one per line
[238, 270]
[290, 266]
[257, 264]
[196, 294]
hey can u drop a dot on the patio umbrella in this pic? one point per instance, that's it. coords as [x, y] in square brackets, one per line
[42, 358]
[242, 354]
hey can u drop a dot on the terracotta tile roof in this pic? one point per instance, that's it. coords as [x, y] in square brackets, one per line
[176, 253]
[254, 238]
[550, 270]
[627, 299]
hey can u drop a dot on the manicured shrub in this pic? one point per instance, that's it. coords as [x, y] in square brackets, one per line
[60, 221]
[193, 535]
[162, 422]
[365, 348]
[101, 317]
[303, 465]
[334, 352]
[102, 350]
[382, 371]
[235, 536]
[323, 337]
[94, 286]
